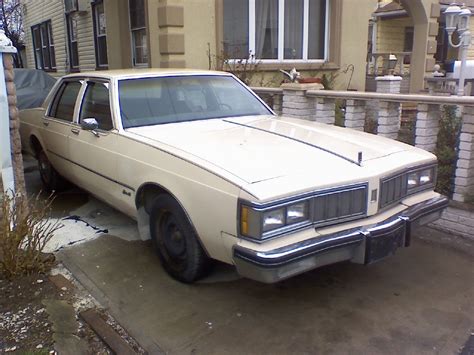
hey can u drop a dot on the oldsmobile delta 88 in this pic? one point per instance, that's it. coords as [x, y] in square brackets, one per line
[210, 172]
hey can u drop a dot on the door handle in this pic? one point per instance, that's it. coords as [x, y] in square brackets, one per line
[75, 130]
[45, 123]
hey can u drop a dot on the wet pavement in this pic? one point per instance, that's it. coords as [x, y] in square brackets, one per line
[420, 301]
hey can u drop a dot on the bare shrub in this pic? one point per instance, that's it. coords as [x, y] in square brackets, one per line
[25, 228]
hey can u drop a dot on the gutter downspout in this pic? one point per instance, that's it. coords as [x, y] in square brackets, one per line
[5, 143]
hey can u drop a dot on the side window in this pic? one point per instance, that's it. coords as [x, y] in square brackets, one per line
[96, 105]
[65, 101]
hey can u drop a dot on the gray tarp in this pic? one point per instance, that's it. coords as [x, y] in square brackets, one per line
[32, 87]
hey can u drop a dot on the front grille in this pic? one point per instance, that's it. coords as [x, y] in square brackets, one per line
[393, 189]
[340, 205]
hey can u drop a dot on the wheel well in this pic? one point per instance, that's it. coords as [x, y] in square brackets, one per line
[146, 195]
[35, 145]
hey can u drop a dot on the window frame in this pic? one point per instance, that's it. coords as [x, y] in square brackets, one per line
[132, 39]
[82, 96]
[281, 35]
[72, 45]
[46, 44]
[58, 93]
[95, 21]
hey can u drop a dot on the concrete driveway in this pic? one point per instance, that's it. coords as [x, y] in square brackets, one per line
[420, 301]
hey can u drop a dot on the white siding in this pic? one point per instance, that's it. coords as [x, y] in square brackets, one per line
[37, 11]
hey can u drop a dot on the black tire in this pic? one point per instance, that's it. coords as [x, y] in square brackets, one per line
[176, 242]
[51, 179]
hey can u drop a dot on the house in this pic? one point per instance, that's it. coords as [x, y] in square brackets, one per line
[391, 32]
[314, 36]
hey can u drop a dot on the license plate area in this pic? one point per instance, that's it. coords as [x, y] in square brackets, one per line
[380, 244]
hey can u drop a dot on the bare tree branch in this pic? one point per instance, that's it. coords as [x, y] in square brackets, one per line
[12, 24]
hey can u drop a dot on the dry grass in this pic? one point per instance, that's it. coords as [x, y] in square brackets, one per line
[25, 228]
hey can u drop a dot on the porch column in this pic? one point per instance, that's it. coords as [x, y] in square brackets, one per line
[424, 15]
[355, 114]
[389, 119]
[11, 160]
[464, 181]
[389, 84]
[427, 126]
[325, 110]
[277, 104]
[14, 114]
[389, 113]
[296, 103]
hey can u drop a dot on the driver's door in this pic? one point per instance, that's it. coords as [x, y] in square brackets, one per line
[94, 152]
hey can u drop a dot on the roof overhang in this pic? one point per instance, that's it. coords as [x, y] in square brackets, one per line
[390, 14]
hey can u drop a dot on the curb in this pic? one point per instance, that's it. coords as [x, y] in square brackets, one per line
[96, 322]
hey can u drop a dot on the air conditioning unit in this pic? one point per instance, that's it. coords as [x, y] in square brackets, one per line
[74, 6]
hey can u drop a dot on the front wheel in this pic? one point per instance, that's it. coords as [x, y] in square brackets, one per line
[176, 242]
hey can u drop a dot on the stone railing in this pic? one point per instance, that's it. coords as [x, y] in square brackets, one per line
[379, 63]
[303, 101]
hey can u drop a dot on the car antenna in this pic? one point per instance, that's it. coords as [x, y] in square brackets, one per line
[359, 158]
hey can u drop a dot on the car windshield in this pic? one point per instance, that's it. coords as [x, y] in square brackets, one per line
[161, 100]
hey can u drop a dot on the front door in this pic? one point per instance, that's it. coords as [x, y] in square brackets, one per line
[93, 152]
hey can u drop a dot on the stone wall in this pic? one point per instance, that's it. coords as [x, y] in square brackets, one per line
[17, 158]
[457, 219]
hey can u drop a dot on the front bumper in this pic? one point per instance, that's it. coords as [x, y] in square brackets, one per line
[364, 245]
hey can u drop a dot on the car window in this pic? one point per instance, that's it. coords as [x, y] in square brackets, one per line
[96, 104]
[227, 99]
[65, 101]
[162, 100]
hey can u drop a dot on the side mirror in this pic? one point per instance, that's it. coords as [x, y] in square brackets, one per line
[89, 124]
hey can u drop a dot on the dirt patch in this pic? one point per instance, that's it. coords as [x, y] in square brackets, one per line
[24, 323]
[25, 326]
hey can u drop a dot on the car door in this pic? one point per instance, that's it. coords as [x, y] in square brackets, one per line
[94, 152]
[57, 124]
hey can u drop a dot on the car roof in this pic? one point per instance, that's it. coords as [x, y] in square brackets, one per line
[137, 73]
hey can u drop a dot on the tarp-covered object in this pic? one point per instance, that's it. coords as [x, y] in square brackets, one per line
[32, 87]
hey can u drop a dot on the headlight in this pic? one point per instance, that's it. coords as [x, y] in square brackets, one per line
[273, 220]
[297, 212]
[426, 176]
[421, 178]
[398, 186]
[258, 224]
[413, 180]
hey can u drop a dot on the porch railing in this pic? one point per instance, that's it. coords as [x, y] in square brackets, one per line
[320, 105]
[379, 63]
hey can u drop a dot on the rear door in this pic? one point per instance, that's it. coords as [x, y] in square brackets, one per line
[57, 124]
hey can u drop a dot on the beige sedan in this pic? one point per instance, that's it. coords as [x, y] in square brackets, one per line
[209, 172]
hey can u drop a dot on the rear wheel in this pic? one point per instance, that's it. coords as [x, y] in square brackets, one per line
[51, 179]
[176, 241]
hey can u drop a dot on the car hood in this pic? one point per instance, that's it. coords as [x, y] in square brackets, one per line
[260, 148]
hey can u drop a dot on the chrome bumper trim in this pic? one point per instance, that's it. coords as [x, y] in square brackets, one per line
[358, 245]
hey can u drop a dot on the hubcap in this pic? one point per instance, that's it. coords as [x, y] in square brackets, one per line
[173, 239]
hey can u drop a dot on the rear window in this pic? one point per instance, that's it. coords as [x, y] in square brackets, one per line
[65, 101]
